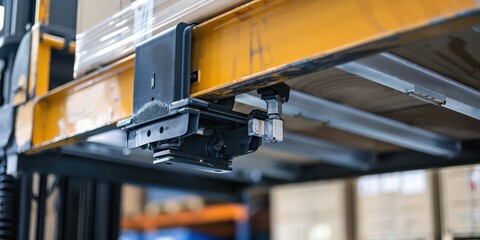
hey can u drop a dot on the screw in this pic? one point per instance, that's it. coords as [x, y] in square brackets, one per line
[132, 135]
[194, 77]
[219, 146]
[17, 89]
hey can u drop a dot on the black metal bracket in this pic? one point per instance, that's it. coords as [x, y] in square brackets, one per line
[282, 90]
[182, 131]
[271, 127]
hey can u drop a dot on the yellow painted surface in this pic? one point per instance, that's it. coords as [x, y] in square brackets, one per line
[39, 65]
[39, 58]
[253, 40]
[268, 34]
[39, 53]
[21, 95]
[57, 42]
[43, 11]
[85, 105]
[23, 124]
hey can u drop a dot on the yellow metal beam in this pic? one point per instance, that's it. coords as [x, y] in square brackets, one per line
[252, 46]
[42, 15]
[39, 52]
[95, 102]
[39, 64]
[261, 43]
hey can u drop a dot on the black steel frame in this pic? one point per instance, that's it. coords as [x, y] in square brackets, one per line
[90, 175]
[86, 209]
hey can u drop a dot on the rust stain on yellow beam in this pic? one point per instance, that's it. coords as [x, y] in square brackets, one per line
[266, 35]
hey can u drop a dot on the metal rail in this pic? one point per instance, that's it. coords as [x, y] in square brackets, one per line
[407, 77]
[362, 123]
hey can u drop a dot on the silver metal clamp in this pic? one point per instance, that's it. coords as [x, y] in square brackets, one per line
[271, 128]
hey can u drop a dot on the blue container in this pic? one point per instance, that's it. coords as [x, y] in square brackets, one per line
[130, 235]
[177, 234]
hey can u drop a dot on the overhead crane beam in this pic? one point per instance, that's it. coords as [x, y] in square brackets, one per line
[261, 43]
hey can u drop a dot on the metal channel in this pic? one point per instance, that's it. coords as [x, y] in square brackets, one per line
[256, 167]
[362, 123]
[393, 162]
[395, 72]
[325, 151]
[88, 161]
